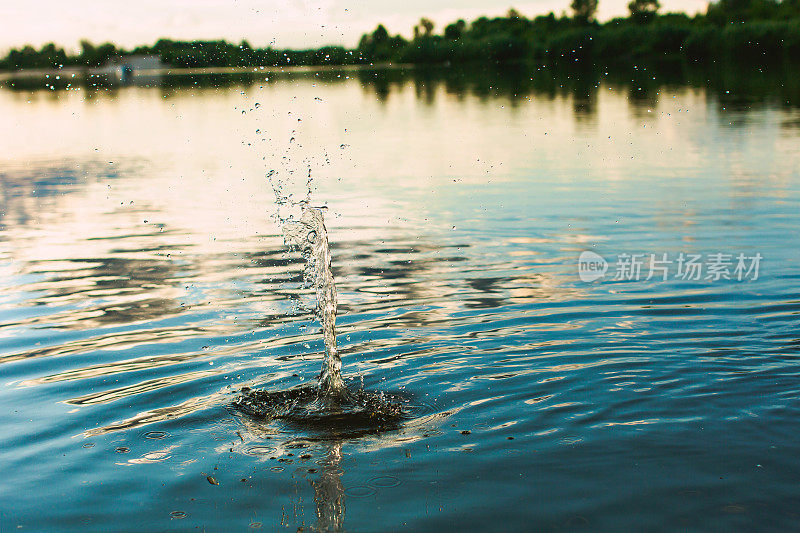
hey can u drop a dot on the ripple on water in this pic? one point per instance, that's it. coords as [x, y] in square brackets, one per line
[258, 451]
[152, 457]
[360, 491]
[136, 328]
[384, 481]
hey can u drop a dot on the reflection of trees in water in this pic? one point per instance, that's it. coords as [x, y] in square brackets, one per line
[510, 84]
[730, 84]
[584, 88]
[644, 91]
[733, 85]
[424, 91]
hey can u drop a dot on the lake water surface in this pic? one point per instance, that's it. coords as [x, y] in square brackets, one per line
[145, 281]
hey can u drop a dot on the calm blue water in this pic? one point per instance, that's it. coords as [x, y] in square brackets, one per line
[144, 281]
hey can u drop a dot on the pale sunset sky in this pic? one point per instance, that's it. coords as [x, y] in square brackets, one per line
[283, 24]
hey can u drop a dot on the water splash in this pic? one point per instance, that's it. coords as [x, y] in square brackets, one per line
[331, 407]
[310, 236]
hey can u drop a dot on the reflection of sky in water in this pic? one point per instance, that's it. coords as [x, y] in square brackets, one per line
[189, 152]
[143, 279]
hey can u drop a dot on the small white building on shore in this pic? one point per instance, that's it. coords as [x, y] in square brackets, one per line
[127, 66]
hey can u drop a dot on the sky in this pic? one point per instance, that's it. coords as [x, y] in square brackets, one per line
[282, 24]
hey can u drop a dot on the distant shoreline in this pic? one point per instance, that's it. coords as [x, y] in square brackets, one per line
[84, 73]
[754, 31]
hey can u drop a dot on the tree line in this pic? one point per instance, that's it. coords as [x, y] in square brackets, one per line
[760, 30]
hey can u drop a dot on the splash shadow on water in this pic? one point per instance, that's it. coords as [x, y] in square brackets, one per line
[354, 413]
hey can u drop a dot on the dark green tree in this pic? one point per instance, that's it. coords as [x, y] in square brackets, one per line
[379, 45]
[643, 11]
[52, 56]
[584, 10]
[725, 11]
[380, 35]
[95, 56]
[455, 30]
[424, 28]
